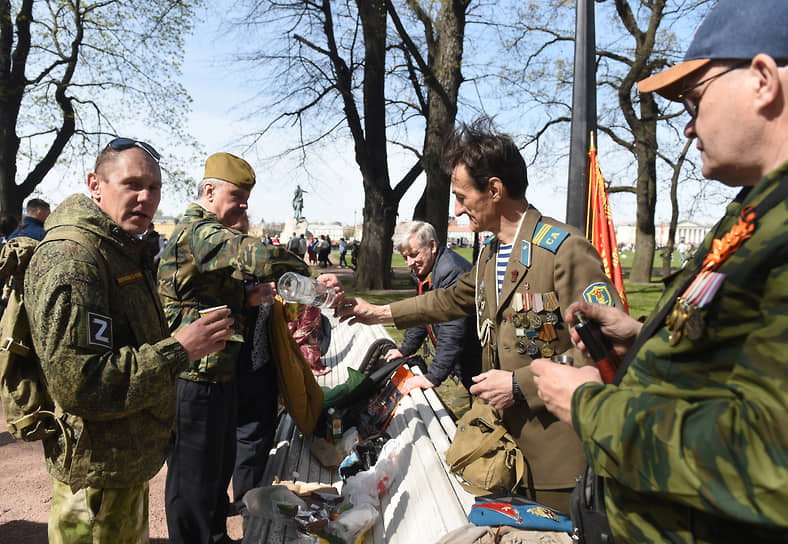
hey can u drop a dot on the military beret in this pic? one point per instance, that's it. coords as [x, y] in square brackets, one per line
[230, 168]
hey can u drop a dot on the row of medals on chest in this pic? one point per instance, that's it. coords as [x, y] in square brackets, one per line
[535, 316]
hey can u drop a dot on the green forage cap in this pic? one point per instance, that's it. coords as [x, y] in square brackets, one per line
[230, 168]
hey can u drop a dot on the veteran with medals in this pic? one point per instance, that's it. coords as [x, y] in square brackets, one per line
[691, 443]
[526, 271]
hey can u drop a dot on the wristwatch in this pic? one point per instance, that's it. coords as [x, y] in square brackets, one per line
[516, 392]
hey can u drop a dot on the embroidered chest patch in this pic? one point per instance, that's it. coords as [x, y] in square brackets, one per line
[129, 277]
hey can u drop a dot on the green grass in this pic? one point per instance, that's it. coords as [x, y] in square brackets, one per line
[626, 258]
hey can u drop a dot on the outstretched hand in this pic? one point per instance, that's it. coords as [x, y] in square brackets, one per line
[358, 310]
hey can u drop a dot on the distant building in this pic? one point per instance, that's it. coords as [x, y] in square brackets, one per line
[459, 235]
[333, 231]
[692, 233]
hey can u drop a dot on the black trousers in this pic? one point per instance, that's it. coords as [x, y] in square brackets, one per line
[257, 407]
[201, 464]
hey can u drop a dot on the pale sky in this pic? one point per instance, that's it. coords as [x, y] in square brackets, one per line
[333, 185]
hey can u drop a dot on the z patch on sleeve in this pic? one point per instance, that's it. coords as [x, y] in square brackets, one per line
[598, 293]
[99, 330]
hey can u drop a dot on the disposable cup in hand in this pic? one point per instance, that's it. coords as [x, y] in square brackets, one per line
[207, 311]
[294, 287]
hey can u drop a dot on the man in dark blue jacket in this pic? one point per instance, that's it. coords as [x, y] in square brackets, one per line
[32, 225]
[457, 349]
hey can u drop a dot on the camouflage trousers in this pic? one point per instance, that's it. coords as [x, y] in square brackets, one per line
[95, 515]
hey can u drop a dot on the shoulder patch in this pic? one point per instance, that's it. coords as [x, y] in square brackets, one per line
[598, 293]
[100, 330]
[549, 237]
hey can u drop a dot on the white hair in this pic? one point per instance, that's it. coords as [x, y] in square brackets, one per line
[201, 185]
[419, 231]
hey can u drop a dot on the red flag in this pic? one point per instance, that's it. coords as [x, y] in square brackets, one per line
[599, 224]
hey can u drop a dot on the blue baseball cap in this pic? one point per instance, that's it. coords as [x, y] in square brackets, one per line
[734, 29]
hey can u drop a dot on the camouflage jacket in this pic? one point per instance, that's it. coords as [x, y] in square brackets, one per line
[204, 265]
[694, 442]
[105, 349]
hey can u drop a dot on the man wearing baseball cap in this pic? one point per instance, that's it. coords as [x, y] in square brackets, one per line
[692, 442]
[202, 267]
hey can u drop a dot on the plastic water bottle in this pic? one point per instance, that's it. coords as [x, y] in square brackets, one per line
[297, 288]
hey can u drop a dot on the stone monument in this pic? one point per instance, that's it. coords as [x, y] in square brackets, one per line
[298, 223]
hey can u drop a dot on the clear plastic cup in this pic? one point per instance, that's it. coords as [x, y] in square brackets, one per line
[294, 287]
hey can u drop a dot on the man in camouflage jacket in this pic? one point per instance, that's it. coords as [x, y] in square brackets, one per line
[544, 265]
[106, 351]
[203, 266]
[693, 442]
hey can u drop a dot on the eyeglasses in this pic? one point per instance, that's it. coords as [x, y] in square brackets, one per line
[691, 104]
[121, 144]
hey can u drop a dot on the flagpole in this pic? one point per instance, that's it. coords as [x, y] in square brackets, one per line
[583, 113]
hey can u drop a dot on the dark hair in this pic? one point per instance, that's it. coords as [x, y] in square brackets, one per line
[8, 224]
[486, 154]
[36, 204]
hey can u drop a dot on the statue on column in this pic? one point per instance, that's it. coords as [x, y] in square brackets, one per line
[298, 203]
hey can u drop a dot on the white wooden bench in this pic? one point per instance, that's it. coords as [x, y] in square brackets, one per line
[424, 503]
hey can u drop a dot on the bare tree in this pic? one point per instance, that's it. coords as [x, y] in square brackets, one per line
[72, 68]
[635, 39]
[331, 62]
[440, 74]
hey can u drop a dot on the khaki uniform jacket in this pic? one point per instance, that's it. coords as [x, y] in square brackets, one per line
[561, 261]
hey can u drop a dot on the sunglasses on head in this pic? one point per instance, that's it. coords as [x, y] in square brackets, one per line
[121, 144]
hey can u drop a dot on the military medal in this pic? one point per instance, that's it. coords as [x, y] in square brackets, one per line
[538, 302]
[518, 304]
[547, 332]
[547, 351]
[532, 349]
[517, 320]
[550, 305]
[521, 347]
[685, 311]
[535, 321]
[480, 300]
[694, 326]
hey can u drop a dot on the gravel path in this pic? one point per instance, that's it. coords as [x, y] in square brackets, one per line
[26, 491]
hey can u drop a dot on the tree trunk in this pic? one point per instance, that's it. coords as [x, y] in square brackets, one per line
[646, 190]
[376, 247]
[380, 202]
[445, 61]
